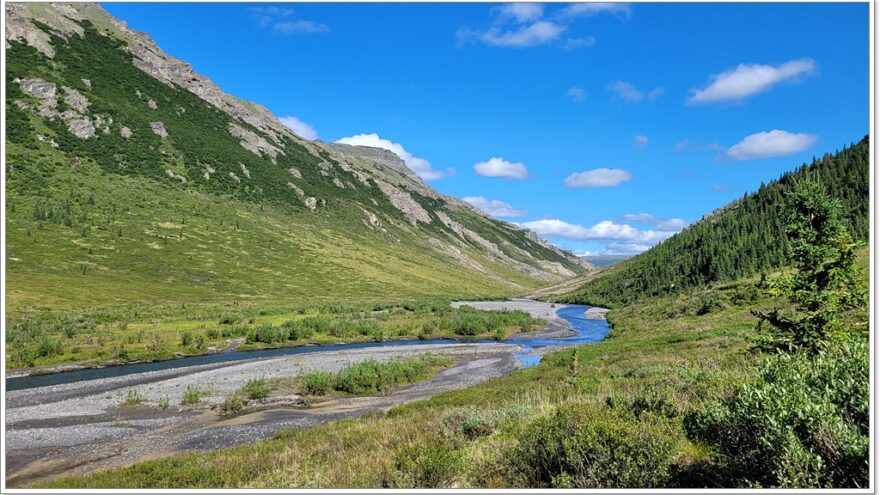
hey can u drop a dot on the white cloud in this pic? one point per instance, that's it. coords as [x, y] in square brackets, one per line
[420, 166]
[600, 177]
[625, 248]
[718, 188]
[522, 25]
[577, 94]
[590, 9]
[522, 12]
[640, 141]
[494, 207]
[536, 33]
[605, 230]
[300, 27]
[299, 127]
[769, 144]
[664, 224]
[499, 167]
[746, 80]
[626, 91]
[273, 16]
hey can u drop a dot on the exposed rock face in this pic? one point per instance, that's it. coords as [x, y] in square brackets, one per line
[404, 202]
[159, 128]
[39, 88]
[88, 83]
[372, 222]
[151, 103]
[81, 127]
[235, 177]
[253, 142]
[125, 132]
[338, 183]
[75, 100]
[245, 171]
[295, 172]
[376, 155]
[311, 203]
[299, 192]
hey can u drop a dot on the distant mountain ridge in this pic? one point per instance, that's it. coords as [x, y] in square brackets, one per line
[737, 240]
[85, 91]
[603, 260]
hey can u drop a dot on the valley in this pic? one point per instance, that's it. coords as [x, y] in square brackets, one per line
[201, 293]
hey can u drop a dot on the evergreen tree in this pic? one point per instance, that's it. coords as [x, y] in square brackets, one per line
[826, 281]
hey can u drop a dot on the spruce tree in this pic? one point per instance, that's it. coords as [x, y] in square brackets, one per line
[826, 278]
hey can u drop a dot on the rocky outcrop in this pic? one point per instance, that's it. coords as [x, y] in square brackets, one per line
[159, 129]
[81, 127]
[401, 200]
[253, 142]
[311, 203]
[75, 100]
[125, 132]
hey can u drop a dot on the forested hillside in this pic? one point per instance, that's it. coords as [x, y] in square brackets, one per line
[741, 239]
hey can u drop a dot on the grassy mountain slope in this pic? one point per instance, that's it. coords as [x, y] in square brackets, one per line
[741, 239]
[132, 179]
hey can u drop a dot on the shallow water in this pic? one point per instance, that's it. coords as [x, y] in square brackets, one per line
[588, 331]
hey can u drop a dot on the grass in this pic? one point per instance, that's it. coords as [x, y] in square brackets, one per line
[372, 377]
[99, 336]
[192, 395]
[663, 359]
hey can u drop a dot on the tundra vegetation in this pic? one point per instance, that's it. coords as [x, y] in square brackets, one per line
[154, 333]
[683, 393]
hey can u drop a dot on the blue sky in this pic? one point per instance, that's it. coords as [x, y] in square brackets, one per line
[603, 127]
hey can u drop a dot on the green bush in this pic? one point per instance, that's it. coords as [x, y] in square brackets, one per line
[426, 466]
[802, 423]
[257, 388]
[297, 330]
[192, 395]
[232, 405]
[318, 382]
[586, 446]
[133, 397]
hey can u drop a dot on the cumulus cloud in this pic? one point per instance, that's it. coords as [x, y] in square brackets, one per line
[522, 12]
[494, 207]
[746, 80]
[605, 230]
[577, 94]
[769, 144]
[299, 127]
[536, 33]
[628, 93]
[625, 248]
[499, 167]
[420, 166]
[589, 9]
[520, 25]
[664, 224]
[600, 177]
[640, 141]
[275, 18]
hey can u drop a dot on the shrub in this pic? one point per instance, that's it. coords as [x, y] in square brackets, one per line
[258, 388]
[164, 403]
[297, 330]
[192, 395]
[426, 466]
[318, 382]
[586, 446]
[232, 405]
[802, 423]
[186, 339]
[132, 398]
[228, 319]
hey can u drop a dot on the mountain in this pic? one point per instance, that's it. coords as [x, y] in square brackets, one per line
[740, 239]
[132, 179]
[603, 260]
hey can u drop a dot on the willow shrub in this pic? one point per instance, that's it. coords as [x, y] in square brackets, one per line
[802, 423]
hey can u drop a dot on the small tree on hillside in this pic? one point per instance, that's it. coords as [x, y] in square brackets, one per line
[826, 281]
